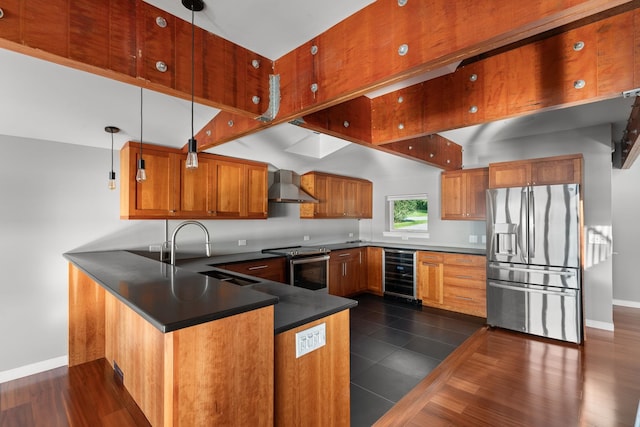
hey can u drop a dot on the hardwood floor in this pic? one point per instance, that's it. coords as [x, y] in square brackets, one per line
[494, 378]
[502, 378]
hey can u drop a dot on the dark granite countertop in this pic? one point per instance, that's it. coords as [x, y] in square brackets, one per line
[172, 298]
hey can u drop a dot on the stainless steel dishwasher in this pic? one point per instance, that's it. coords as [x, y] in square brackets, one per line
[399, 273]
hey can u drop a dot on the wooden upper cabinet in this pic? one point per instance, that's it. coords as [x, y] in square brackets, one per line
[256, 190]
[463, 194]
[543, 171]
[219, 188]
[158, 196]
[198, 188]
[338, 196]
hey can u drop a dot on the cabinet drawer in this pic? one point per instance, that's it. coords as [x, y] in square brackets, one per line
[465, 260]
[463, 282]
[466, 300]
[430, 257]
[465, 273]
[271, 269]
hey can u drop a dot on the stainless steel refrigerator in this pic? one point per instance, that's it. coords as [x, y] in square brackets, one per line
[533, 260]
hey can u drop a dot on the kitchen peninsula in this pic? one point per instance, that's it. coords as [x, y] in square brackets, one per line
[194, 350]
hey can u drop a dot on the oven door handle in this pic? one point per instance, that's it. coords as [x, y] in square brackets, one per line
[308, 259]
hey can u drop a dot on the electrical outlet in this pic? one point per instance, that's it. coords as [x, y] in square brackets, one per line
[405, 237]
[311, 339]
[484, 239]
[306, 238]
[155, 248]
[242, 242]
[473, 238]
[350, 234]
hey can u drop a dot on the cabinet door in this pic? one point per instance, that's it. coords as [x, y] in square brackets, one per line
[158, 196]
[561, 170]
[335, 195]
[452, 192]
[198, 189]
[509, 174]
[230, 190]
[364, 201]
[430, 278]
[374, 270]
[256, 192]
[476, 183]
[350, 193]
[336, 273]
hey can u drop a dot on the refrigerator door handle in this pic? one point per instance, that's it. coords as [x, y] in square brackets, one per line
[523, 234]
[528, 270]
[570, 292]
[532, 224]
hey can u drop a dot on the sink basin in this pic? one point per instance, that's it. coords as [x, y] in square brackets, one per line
[230, 278]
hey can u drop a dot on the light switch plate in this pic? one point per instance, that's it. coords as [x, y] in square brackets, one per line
[311, 339]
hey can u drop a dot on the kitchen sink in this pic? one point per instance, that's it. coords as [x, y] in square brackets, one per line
[223, 276]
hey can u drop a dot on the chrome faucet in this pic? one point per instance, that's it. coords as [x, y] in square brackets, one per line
[175, 232]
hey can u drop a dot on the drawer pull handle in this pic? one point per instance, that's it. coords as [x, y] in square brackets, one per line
[426, 264]
[258, 267]
[464, 298]
[464, 277]
[345, 254]
[466, 261]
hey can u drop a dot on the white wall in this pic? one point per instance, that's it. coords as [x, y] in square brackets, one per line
[626, 234]
[55, 200]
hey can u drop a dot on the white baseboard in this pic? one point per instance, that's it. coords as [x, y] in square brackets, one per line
[624, 303]
[34, 368]
[607, 326]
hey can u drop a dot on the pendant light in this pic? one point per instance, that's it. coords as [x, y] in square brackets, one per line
[112, 174]
[192, 154]
[141, 174]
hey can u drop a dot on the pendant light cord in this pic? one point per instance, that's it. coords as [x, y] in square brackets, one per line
[193, 44]
[111, 151]
[141, 127]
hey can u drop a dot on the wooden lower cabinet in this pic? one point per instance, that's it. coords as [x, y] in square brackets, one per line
[454, 282]
[430, 278]
[216, 373]
[314, 389]
[374, 270]
[270, 269]
[347, 271]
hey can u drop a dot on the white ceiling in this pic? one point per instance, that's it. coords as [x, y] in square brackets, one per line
[46, 101]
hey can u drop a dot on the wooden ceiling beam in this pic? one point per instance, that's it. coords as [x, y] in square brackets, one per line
[124, 40]
[532, 77]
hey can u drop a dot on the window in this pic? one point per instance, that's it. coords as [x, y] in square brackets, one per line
[408, 213]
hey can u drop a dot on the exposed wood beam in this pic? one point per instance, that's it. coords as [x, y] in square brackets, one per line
[120, 39]
[529, 78]
[630, 145]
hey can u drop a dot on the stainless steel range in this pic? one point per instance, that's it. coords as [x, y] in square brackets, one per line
[308, 266]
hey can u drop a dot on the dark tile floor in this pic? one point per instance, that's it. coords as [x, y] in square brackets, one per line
[394, 345]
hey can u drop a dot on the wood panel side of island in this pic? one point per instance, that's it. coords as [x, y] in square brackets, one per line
[314, 389]
[86, 318]
[224, 370]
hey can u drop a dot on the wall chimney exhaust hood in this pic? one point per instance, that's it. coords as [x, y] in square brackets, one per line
[286, 188]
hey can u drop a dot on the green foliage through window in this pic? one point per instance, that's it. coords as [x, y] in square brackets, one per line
[408, 213]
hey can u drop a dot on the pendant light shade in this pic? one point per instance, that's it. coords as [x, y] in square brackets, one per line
[112, 174]
[141, 174]
[192, 155]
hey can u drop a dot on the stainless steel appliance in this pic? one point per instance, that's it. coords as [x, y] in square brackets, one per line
[308, 266]
[399, 273]
[533, 260]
